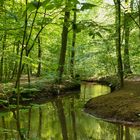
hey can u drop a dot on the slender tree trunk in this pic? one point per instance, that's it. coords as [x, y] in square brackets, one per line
[39, 58]
[2, 58]
[127, 69]
[73, 43]
[3, 47]
[29, 74]
[63, 43]
[5, 69]
[16, 63]
[27, 42]
[118, 42]
[19, 72]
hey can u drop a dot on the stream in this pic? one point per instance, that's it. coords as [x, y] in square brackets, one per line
[64, 119]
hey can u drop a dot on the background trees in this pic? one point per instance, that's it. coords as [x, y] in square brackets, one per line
[62, 38]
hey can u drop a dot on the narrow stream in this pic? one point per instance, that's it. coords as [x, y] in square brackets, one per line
[64, 119]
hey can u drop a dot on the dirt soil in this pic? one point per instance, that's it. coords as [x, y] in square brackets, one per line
[121, 106]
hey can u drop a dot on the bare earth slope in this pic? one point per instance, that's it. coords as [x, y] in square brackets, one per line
[122, 106]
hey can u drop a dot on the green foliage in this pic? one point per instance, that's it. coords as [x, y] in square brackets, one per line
[87, 6]
[51, 4]
[95, 35]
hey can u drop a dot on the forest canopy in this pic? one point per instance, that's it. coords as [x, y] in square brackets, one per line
[64, 38]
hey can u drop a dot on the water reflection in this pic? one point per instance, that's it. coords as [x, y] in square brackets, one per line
[63, 119]
[73, 117]
[90, 90]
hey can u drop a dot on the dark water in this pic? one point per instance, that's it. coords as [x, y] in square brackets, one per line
[64, 118]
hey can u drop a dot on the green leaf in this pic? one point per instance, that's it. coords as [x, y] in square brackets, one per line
[27, 60]
[3, 101]
[36, 4]
[30, 7]
[99, 34]
[86, 6]
[51, 4]
[45, 21]
[33, 5]
[75, 1]
[12, 15]
[79, 27]
[45, 2]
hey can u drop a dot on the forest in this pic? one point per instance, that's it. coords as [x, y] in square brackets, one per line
[49, 47]
[62, 39]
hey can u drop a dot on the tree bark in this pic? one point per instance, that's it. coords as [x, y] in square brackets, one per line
[127, 69]
[2, 57]
[3, 45]
[64, 37]
[39, 57]
[118, 42]
[73, 43]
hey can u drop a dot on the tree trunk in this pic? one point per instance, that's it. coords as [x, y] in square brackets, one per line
[2, 58]
[118, 42]
[63, 43]
[3, 46]
[73, 43]
[139, 20]
[16, 63]
[39, 58]
[19, 72]
[127, 69]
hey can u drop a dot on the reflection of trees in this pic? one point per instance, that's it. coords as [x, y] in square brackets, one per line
[16, 115]
[40, 123]
[73, 120]
[123, 131]
[120, 132]
[29, 122]
[62, 118]
[127, 133]
[79, 125]
[4, 126]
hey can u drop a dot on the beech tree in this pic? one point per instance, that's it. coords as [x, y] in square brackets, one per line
[64, 41]
[118, 41]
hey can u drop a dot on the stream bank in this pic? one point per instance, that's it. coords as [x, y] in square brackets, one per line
[38, 91]
[121, 106]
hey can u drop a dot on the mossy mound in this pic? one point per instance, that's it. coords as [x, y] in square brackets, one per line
[120, 106]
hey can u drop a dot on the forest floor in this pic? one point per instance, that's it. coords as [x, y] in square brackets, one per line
[120, 106]
[39, 90]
